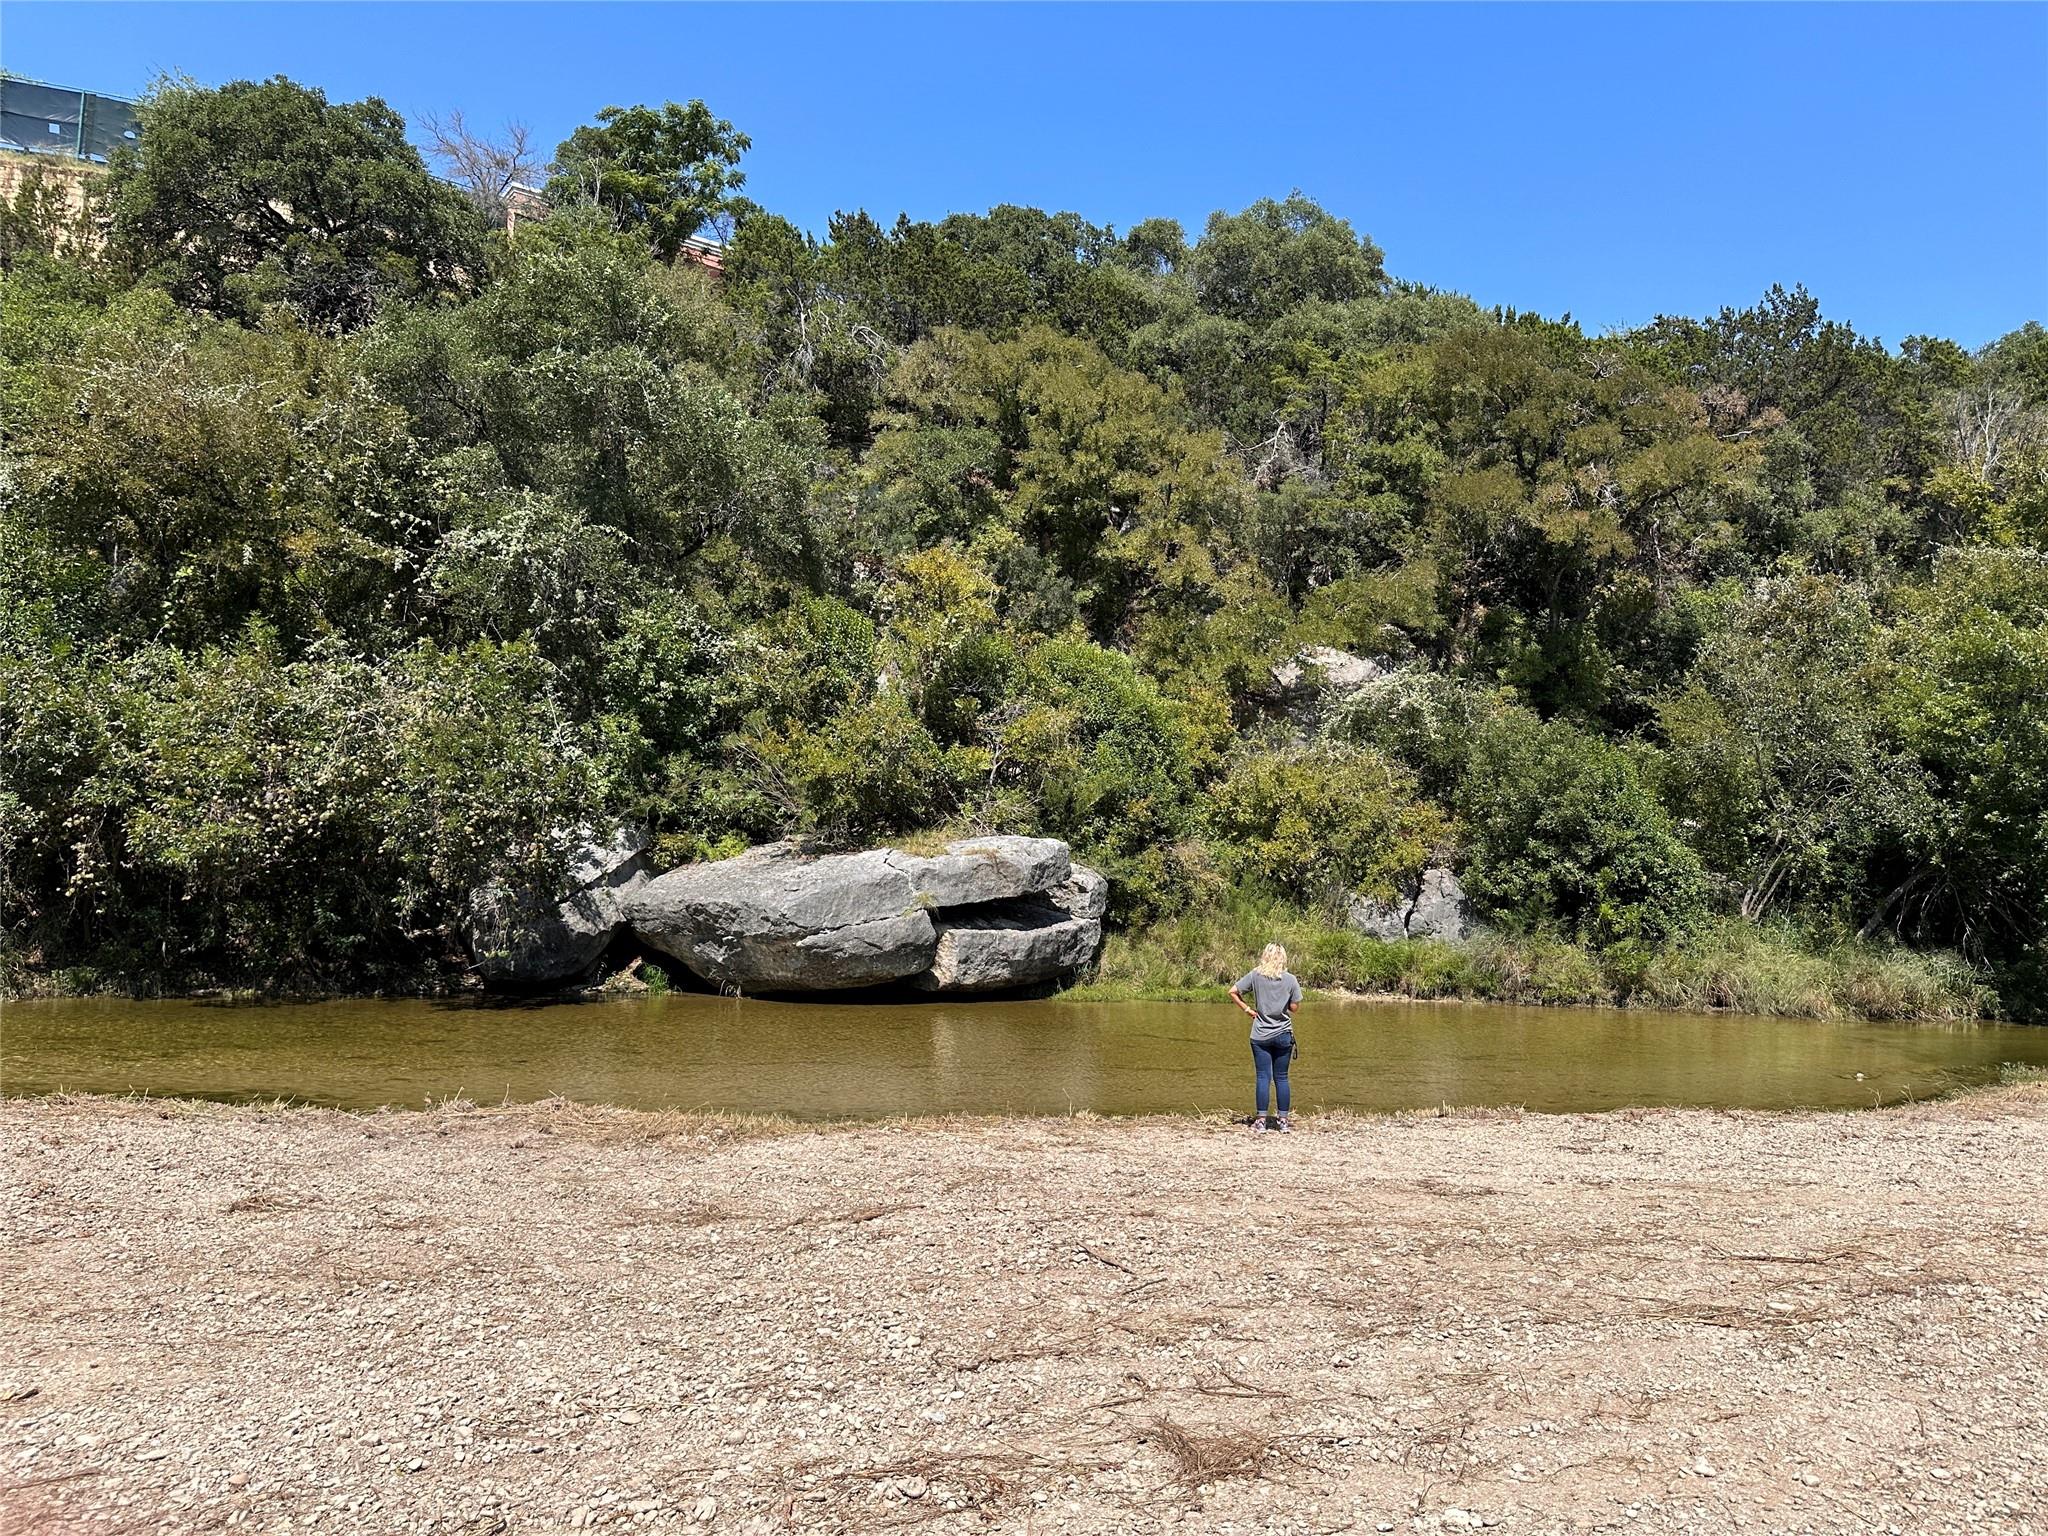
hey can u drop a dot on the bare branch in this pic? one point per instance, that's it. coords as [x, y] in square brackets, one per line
[488, 170]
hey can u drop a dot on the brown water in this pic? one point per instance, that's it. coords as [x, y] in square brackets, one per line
[825, 1060]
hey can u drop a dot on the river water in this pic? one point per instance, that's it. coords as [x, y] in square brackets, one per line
[817, 1060]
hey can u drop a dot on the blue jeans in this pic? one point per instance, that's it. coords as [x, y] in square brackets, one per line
[1269, 1061]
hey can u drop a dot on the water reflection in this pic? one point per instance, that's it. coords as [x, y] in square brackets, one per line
[827, 1060]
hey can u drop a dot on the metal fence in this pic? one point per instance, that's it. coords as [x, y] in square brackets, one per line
[55, 120]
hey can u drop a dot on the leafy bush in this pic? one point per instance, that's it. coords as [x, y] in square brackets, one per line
[1109, 763]
[227, 817]
[1427, 722]
[1319, 824]
[867, 771]
[1558, 828]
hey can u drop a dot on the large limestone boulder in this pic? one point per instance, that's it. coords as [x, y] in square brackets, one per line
[1317, 679]
[1440, 909]
[523, 937]
[1437, 910]
[1327, 667]
[1023, 944]
[780, 919]
[777, 920]
[987, 869]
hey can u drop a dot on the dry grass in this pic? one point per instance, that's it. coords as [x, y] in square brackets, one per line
[1201, 1459]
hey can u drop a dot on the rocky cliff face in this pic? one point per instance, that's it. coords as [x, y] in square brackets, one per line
[987, 915]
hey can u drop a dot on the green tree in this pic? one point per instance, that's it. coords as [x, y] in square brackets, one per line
[1321, 824]
[229, 817]
[1969, 657]
[865, 772]
[667, 174]
[204, 475]
[1848, 416]
[261, 193]
[1109, 504]
[1110, 763]
[1777, 750]
[812, 339]
[613, 386]
[1256, 265]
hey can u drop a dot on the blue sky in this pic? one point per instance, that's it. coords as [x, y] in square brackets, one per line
[1614, 162]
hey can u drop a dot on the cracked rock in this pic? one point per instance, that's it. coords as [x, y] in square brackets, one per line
[986, 915]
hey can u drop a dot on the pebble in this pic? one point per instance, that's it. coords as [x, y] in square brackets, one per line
[782, 1377]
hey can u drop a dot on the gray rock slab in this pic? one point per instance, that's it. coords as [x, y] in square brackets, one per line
[1086, 893]
[1017, 949]
[984, 869]
[1441, 910]
[521, 937]
[1328, 667]
[1386, 921]
[777, 920]
[1438, 910]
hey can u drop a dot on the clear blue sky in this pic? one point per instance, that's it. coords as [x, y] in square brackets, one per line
[1612, 161]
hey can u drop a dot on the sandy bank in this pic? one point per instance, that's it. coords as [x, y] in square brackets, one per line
[543, 1318]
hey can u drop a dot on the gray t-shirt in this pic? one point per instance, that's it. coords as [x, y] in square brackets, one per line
[1269, 997]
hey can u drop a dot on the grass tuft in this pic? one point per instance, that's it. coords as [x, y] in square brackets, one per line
[1730, 965]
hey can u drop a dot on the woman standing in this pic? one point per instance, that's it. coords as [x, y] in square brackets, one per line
[1274, 994]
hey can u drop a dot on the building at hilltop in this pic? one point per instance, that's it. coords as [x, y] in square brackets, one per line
[67, 135]
[43, 119]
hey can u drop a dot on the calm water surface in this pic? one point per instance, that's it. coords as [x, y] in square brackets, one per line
[822, 1060]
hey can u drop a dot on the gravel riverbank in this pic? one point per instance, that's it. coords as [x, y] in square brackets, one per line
[552, 1317]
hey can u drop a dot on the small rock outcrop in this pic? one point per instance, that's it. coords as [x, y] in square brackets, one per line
[983, 869]
[988, 914]
[1437, 909]
[1086, 893]
[1316, 679]
[1327, 666]
[522, 937]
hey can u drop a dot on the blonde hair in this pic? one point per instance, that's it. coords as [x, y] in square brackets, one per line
[1272, 960]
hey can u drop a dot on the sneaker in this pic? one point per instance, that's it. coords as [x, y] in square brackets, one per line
[1258, 1122]
[1285, 1124]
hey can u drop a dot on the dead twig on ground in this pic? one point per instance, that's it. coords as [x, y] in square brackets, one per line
[1103, 1258]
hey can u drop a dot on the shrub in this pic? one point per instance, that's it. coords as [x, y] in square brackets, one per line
[1109, 763]
[1425, 721]
[869, 770]
[1558, 829]
[228, 818]
[1318, 824]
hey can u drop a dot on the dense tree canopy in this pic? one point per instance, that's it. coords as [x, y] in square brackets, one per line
[261, 193]
[353, 552]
